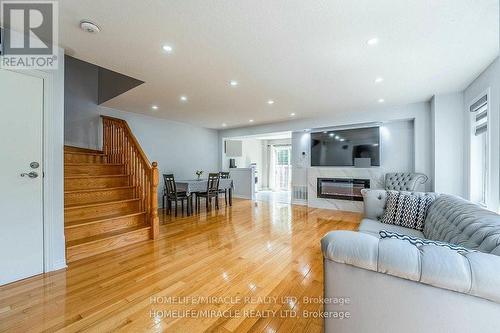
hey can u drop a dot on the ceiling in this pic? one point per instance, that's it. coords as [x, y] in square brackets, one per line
[310, 57]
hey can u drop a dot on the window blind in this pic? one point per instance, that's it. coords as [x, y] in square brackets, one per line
[480, 110]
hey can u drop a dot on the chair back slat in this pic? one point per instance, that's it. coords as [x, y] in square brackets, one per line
[170, 186]
[224, 175]
[213, 182]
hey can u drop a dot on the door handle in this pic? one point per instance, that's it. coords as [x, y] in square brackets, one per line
[32, 174]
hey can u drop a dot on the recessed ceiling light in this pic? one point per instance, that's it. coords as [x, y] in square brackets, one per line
[250, 121]
[154, 107]
[381, 100]
[167, 48]
[331, 135]
[337, 137]
[372, 41]
[183, 98]
[324, 132]
[342, 140]
[379, 80]
[292, 114]
[233, 83]
[270, 102]
[224, 124]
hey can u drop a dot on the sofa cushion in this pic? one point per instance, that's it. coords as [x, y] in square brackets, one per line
[407, 209]
[372, 227]
[417, 241]
[473, 273]
[454, 220]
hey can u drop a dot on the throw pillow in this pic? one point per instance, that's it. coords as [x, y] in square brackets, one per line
[420, 241]
[407, 209]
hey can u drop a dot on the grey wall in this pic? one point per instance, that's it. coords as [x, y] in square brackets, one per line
[177, 147]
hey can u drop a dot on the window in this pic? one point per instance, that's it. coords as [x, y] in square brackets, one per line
[479, 153]
[283, 156]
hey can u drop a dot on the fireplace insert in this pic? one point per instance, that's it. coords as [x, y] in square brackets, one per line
[342, 188]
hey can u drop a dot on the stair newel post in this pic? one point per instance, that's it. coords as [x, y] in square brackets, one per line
[155, 223]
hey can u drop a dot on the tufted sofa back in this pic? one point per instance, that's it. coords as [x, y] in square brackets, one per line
[404, 181]
[454, 220]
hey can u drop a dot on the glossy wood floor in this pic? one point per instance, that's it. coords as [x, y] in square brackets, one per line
[219, 272]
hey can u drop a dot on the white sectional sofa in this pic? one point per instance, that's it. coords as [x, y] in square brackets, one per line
[395, 286]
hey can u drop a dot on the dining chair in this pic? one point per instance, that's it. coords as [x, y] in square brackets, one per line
[224, 175]
[170, 194]
[212, 192]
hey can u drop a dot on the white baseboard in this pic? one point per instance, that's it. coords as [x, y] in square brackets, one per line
[299, 202]
[239, 196]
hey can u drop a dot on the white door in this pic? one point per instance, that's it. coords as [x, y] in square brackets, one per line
[21, 205]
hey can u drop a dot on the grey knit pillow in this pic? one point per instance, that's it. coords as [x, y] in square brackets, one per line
[407, 209]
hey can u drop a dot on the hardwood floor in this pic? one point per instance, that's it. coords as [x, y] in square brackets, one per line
[240, 263]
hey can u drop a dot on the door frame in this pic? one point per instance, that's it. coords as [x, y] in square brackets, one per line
[52, 167]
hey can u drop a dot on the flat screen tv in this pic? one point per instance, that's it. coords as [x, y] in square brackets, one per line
[358, 147]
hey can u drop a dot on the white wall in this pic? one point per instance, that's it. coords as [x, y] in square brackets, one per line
[54, 239]
[488, 81]
[178, 148]
[448, 126]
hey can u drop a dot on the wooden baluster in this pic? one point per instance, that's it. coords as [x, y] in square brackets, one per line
[155, 222]
[121, 147]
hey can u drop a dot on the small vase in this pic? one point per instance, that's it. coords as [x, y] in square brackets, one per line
[199, 177]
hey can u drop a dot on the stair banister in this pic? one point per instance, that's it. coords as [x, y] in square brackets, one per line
[121, 146]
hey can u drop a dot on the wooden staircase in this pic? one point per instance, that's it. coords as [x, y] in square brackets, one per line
[110, 197]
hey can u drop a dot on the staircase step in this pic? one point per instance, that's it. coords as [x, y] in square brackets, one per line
[99, 210]
[92, 227]
[95, 169]
[82, 197]
[89, 246]
[73, 183]
[83, 157]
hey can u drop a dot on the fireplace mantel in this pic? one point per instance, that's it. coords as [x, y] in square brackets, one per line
[374, 175]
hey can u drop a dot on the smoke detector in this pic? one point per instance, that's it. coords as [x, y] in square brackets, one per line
[89, 27]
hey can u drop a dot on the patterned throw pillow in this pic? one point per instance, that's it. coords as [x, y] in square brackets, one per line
[419, 241]
[407, 209]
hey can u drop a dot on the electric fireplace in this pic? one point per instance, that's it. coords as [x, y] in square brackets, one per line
[342, 188]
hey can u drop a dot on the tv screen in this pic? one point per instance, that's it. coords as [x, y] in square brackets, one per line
[353, 147]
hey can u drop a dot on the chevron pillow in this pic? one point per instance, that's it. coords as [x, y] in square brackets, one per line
[407, 209]
[420, 241]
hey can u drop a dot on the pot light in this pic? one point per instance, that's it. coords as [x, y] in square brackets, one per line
[154, 107]
[292, 114]
[372, 41]
[250, 121]
[233, 83]
[167, 48]
[381, 100]
[331, 135]
[270, 102]
[183, 98]
[224, 124]
[379, 80]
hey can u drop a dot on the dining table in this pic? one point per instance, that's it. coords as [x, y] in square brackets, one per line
[193, 186]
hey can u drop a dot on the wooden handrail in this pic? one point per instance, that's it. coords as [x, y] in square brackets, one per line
[121, 146]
